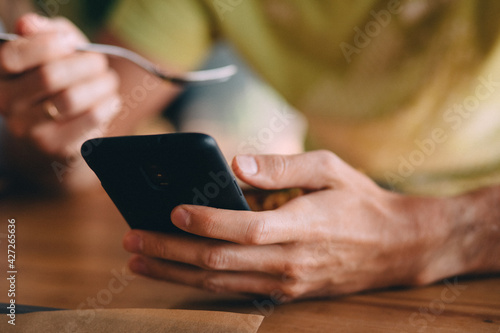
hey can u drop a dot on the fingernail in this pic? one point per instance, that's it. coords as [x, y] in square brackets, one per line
[247, 164]
[133, 243]
[181, 218]
[138, 265]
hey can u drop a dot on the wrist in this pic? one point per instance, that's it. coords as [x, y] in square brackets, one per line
[426, 257]
[476, 225]
[457, 235]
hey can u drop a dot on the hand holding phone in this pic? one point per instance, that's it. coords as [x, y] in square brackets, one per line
[148, 176]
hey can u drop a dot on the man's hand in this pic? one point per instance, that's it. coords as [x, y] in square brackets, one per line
[51, 95]
[344, 235]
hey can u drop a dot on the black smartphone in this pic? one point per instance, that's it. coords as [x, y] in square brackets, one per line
[147, 176]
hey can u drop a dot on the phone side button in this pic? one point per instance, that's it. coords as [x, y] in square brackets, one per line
[237, 187]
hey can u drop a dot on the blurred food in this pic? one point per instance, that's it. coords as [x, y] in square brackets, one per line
[260, 200]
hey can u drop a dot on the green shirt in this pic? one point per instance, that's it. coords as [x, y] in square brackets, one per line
[407, 91]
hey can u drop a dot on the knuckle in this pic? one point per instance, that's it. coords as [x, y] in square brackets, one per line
[211, 282]
[298, 270]
[111, 107]
[114, 79]
[68, 100]
[92, 64]
[420, 279]
[157, 249]
[330, 163]
[278, 167]
[257, 232]
[10, 61]
[49, 76]
[110, 83]
[209, 225]
[101, 61]
[94, 118]
[327, 159]
[215, 258]
[292, 290]
[66, 26]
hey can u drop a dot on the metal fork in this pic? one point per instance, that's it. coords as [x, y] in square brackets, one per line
[208, 76]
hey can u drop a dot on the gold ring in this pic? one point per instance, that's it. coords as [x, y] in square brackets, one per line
[51, 111]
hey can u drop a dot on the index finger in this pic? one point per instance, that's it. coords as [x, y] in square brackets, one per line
[56, 40]
[242, 227]
[24, 54]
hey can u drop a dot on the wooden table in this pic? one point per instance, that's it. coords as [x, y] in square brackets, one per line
[69, 255]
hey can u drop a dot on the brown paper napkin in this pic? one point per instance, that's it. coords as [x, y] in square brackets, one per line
[133, 320]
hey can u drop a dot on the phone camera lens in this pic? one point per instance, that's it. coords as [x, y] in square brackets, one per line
[156, 175]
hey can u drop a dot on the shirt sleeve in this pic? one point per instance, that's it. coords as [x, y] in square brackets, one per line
[174, 32]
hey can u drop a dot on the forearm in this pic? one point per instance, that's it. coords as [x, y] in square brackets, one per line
[459, 235]
[477, 225]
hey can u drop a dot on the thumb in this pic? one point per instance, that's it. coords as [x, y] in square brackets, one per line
[313, 170]
[31, 23]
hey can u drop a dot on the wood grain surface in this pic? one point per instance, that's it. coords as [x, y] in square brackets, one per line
[69, 255]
